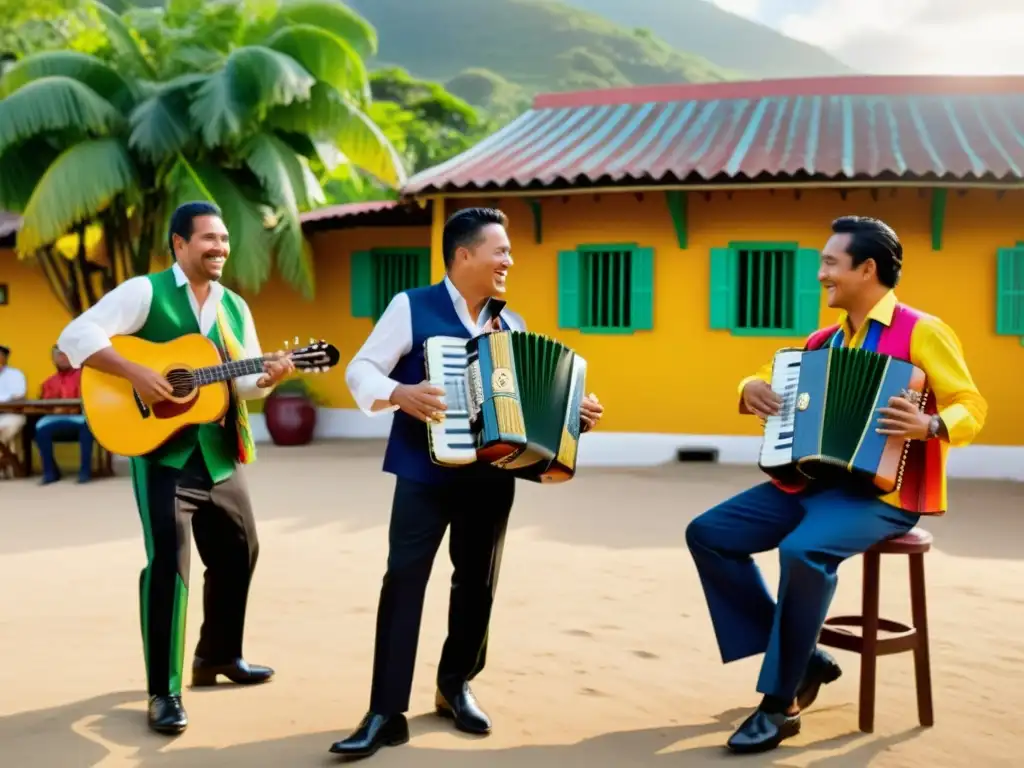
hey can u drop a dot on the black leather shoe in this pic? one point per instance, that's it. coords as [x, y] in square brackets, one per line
[239, 671]
[167, 715]
[375, 731]
[821, 670]
[763, 731]
[462, 707]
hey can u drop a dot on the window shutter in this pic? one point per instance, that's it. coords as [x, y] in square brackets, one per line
[569, 289]
[807, 289]
[722, 315]
[422, 267]
[642, 290]
[362, 284]
[1010, 292]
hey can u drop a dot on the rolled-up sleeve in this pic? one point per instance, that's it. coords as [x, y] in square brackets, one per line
[246, 386]
[368, 375]
[120, 312]
[936, 350]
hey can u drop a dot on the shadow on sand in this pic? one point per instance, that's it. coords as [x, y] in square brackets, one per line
[110, 729]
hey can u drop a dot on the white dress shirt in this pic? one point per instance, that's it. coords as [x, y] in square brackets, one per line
[12, 384]
[124, 310]
[369, 374]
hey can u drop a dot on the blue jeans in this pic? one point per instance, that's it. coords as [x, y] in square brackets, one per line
[814, 533]
[61, 429]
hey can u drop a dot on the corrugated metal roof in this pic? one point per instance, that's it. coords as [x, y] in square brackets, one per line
[345, 210]
[949, 128]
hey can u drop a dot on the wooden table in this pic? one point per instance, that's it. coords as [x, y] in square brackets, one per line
[34, 410]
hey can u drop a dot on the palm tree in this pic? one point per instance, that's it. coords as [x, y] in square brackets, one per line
[253, 105]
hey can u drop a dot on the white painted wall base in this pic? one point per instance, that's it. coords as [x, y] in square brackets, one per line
[633, 449]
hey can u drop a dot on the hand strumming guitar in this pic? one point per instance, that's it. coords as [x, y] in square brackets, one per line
[419, 400]
[277, 367]
[150, 385]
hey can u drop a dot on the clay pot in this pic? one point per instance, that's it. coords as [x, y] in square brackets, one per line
[291, 418]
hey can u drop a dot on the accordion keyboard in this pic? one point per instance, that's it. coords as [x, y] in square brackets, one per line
[448, 364]
[777, 446]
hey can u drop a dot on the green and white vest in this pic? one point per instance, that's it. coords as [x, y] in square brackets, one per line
[171, 317]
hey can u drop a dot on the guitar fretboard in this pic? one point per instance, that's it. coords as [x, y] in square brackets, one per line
[231, 370]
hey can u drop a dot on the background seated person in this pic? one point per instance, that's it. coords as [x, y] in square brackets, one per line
[63, 427]
[12, 387]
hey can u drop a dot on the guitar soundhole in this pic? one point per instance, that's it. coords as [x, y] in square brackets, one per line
[183, 382]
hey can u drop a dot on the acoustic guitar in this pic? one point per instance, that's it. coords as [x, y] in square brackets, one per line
[126, 425]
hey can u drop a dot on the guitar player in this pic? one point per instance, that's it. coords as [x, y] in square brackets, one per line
[194, 477]
[817, 528]
[387, 375]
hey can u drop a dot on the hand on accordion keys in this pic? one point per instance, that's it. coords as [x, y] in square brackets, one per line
[591, 412]
[904, 419]
[421, 401]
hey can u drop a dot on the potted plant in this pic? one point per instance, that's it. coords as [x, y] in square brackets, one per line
[290, 411]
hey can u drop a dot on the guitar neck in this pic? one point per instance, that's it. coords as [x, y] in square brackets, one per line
[230, 370]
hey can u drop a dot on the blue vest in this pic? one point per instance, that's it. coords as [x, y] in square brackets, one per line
[408, 452]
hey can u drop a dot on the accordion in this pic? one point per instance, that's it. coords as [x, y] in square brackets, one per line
[826, 427]
[513, 401]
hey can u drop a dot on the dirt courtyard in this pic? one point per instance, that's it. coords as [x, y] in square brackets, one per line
[601, 649]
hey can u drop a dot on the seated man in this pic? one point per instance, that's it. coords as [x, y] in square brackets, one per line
[12, 387]
[816, 526]
[64, 384]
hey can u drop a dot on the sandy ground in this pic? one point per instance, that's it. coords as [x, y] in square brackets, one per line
[601, 651]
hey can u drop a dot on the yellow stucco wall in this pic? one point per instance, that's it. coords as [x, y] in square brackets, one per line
[680, 377]
[32, 320]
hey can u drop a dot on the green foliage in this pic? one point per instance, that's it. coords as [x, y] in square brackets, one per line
[425, 122]
[730, 41]
[257, 105]
[538, 45]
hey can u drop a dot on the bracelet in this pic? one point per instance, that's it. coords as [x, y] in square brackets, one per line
[933, 426]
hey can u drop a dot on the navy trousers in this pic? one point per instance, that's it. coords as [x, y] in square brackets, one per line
[814, 532]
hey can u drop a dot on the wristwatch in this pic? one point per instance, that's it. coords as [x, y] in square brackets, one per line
[933, 426]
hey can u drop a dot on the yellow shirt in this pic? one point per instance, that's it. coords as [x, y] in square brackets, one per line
[936, 350]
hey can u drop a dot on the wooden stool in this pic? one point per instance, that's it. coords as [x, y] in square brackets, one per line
[904, 638]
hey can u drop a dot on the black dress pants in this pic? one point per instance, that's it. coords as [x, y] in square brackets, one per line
[221, 519]
[477, 511]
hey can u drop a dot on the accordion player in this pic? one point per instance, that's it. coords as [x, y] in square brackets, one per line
[513, 400]
[826, 426]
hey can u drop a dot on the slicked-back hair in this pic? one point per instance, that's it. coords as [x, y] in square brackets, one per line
[873, 239]
[463, 229]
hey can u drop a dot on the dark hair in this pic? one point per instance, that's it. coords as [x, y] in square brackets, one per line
[463, 228]
[873, 239]
[5, 351]
[181, 219]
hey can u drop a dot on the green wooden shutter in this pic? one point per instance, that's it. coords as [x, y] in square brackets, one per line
[642, 290]
[722, 315]
[422, 267]
[569, 310]
[363, 289]
[1010, 292]
[807, 292]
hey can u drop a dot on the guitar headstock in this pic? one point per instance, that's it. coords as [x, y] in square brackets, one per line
[315, 357]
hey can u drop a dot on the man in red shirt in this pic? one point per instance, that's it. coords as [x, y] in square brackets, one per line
[64, 384]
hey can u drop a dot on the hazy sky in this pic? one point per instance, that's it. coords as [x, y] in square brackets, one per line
[903, 36]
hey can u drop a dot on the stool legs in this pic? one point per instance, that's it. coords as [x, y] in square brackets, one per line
[869, 651]
[922, 660]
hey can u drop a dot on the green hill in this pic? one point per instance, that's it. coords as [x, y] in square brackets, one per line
[729, 40]
[498, 53]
